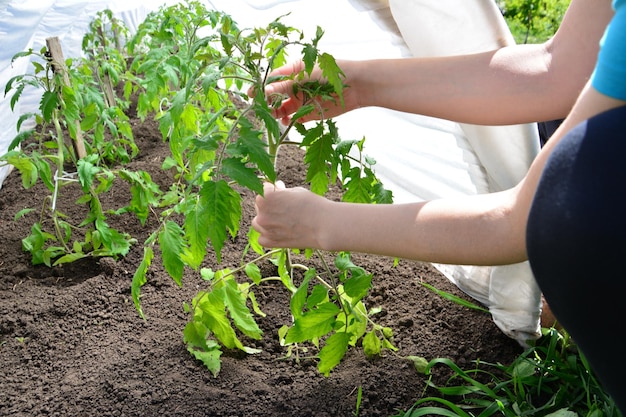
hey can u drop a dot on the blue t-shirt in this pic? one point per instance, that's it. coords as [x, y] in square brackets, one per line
[609, 76]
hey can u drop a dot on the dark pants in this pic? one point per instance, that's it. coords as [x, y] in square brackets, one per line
[576, 242]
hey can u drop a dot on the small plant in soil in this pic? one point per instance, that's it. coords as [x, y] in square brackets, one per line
[191, 69]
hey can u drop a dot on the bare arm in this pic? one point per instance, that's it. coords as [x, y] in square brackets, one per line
[516, 84]
[487, 229]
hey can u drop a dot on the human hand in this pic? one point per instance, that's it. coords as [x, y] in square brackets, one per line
[288, 218]
[291, 98]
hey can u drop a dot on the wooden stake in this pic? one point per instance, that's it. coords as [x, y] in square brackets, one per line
[109, 94]
[58, 64]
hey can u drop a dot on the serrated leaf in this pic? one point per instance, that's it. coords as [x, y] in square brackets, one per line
[139, 278]
[319, 295]
[319, 182]
[357, 286]
[357, 190]
[16, 95]
[333, 352]
[314, 323]
[196, 220]
[381, 195]
[48, 104]
[213, 314]
[223, 205]
[235, 301]
[86, 173]
[115, 242]
[250, 145]
[195, 335]
[25, 166]
[242, 174]
[309, 56]
[332, 72]
[318, 154]
[171, 243]
[210, 359]
[303, 111]
[143, 192]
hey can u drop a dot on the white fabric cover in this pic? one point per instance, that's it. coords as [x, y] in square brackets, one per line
[418, 157]
[505, 152]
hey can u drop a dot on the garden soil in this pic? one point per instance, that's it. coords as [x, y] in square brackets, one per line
[72, 343]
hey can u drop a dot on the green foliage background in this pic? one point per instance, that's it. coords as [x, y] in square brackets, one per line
[533, 21]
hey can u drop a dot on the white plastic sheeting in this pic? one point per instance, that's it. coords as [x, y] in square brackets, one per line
[418, 157]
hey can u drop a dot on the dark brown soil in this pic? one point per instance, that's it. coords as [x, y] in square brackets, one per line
[72, 343]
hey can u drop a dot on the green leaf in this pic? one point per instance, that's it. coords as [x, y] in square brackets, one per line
[20, 137]
[357, 286]
[139, 278]
[171, 243]
[253, 272]
[35, 242]
[144, 193]
[250, 145]
[25, 166]
[356, 321]
[332, 72]
[309, 56]
[206, 351]
[313, 323]
[255, 305]
[303, 111]
[197, 233]
[273, 130]
[86, 173]
[195, 335]
[333, 352]
[298, 299]
[22, 213]
[223, 205]
[455, 299]
[16, 96]
[371, 344]
[381, 195]
[243, 175]
[116, 242]
[319, 295]
[420, 363]
[317, 157]
[357, 190]
[213, 315]
[235, 301]
[69, 258]
[48, 104]
[253, 241]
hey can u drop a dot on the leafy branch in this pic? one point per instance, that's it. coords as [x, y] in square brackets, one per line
[191, 69]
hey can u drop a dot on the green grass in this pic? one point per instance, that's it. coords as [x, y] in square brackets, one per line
[550, 378]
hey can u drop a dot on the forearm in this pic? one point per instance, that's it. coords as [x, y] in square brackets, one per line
[476, 230]
[507, 86]
[515, 84]
[498, 87]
